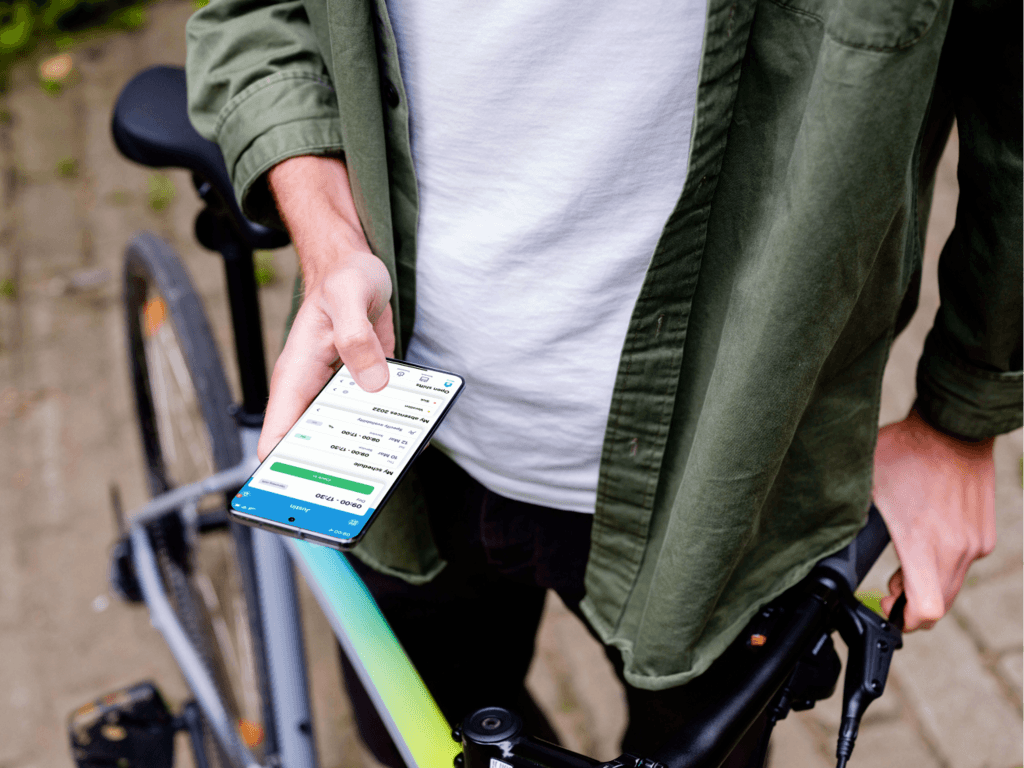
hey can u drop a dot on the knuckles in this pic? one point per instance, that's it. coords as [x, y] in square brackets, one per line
[338, 282]
[930, 611]
[349, 340]
[988, 545]
[366, 280]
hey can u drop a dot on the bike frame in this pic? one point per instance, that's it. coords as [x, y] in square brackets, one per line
[413, 719]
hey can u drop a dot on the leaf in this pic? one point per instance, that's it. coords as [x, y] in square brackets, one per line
[161, 191]
[67, 168]
[17, 33]
[872, 598]
[263, 263]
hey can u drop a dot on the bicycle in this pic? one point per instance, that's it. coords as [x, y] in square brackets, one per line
[224, 595]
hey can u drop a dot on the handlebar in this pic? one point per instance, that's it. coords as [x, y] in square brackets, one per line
[745, 680]
[851, 564]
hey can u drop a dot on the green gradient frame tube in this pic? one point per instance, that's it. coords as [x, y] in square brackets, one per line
[409, 712]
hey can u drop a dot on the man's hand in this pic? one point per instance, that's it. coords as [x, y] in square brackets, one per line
[937, 496]
[345, 316]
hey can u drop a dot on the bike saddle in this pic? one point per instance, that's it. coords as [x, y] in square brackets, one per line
[151, 127]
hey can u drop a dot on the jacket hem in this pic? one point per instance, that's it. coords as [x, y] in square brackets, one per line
[710, 652]
[407, 576]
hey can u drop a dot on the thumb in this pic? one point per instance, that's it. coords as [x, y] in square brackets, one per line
[305, 365]
[895, 590]
[925, 601]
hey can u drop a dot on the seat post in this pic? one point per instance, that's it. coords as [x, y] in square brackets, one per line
[248, 330]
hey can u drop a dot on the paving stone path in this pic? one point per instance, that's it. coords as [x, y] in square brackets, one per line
[68, 203]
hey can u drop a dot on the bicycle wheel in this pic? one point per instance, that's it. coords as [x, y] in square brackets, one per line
[183, 404]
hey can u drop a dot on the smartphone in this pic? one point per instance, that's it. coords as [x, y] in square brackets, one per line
[336, 467]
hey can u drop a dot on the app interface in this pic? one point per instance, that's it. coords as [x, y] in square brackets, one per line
[337, 463]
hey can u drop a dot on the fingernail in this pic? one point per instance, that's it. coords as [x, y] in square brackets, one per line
[375, 378]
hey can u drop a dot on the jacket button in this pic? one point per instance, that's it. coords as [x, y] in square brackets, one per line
[392, 94]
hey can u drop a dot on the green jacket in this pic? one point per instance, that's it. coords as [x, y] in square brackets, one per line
[743, 422]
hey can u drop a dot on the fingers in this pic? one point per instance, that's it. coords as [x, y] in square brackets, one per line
[360, 350]
[988, 514]
[925, 590]
[348, 299]
[931, 574]
[937, 497]
[307, 362]
[345, 314]
[331, 327]
[926, 598]
[385, 330]
[895, 590]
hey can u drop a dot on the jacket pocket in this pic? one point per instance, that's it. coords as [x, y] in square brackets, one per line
[878, 25]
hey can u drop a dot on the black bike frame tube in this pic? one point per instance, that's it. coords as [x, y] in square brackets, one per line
[245, 319]
[708, 738]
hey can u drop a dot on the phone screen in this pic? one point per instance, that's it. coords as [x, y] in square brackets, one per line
[338, 464]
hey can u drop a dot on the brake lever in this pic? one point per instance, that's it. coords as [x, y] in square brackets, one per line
[872, 640]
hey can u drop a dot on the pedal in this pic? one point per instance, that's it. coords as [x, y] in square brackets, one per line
[125, 728]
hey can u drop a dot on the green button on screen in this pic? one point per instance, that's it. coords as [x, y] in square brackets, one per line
[321, 477]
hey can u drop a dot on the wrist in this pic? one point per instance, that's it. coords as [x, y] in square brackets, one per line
[314, 198]
[952, 441]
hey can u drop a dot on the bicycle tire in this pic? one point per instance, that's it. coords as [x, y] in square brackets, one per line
[183, 404]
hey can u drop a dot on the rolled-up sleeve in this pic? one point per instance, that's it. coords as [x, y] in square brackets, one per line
[258, 86]
[969, 379]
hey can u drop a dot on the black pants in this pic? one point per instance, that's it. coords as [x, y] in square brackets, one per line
[470, 632]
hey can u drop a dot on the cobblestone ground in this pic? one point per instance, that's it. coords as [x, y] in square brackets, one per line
[69, 203]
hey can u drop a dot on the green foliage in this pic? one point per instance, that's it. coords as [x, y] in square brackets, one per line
[161, 191]
[263, 262]
[8, 288]
[872, 598]
[16, 25]
[67, 168]
[26, 23]
[130, 18]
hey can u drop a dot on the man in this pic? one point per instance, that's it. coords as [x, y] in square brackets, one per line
[668, 247]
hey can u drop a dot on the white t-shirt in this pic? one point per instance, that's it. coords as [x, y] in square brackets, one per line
[550, 142]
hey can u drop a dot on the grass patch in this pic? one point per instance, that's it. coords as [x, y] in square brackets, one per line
[133, 17]
[25, 24]
[872, 598]
[67, 168]
[263, 263]
[8, 288]
[161, 192]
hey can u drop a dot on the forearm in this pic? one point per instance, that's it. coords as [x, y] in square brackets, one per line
[314, 198]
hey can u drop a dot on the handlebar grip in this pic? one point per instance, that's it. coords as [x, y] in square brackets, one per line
[851, 565]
